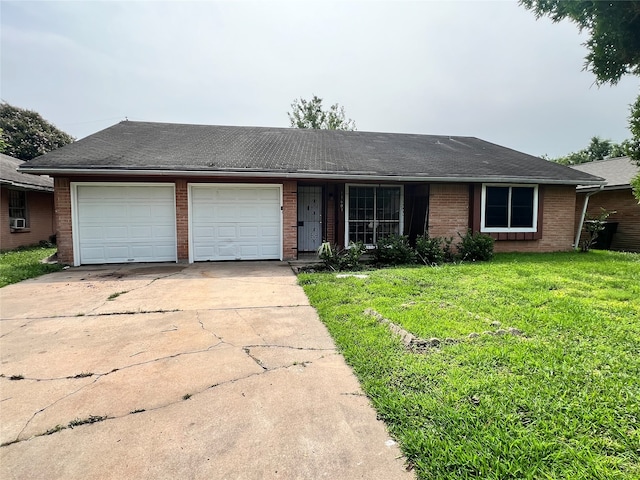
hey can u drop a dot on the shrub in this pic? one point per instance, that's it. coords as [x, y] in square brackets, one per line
[430, 251]
[394, 250]
[592, 228]
[335, 258]
[475, 247]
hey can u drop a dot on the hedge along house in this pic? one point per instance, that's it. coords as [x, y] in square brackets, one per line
[142, 192]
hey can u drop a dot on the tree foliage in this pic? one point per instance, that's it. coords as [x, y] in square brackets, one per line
[310, 114]
[614, 33]
[27, 135]
[598, 149]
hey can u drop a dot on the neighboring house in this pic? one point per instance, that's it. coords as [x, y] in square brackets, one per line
[140, 192]
[27, 206]
[616, 196]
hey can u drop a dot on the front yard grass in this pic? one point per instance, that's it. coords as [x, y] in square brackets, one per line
[562, 401]
[21, 264]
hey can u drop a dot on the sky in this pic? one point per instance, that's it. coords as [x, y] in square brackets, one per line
[485, 69]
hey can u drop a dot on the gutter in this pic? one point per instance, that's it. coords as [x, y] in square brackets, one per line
[584, 212]
[299, 175]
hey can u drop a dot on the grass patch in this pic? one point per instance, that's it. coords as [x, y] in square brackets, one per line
[21, 264]
[561, 401]
[115, 295]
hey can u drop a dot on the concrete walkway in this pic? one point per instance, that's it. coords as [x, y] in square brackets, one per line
[217, 371]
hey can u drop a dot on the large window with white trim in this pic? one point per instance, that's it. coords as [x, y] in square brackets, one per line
[509, 208]
[372, 213]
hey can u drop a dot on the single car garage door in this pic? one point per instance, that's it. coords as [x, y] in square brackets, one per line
[125, 223]
[235, 222]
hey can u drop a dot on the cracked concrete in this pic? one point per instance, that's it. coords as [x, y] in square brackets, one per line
[226, 366]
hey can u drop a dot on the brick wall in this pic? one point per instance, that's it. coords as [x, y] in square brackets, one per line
[627, 237]
[448, 210]
[62, 202]
[182, 220]
[290, 220]
[558, 223]
[40, 220]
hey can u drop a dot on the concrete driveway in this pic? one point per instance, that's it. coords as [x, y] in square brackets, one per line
[217, 370]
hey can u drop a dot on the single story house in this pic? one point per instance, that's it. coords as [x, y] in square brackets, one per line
[616, 196]
[142, 192]
[26, 204]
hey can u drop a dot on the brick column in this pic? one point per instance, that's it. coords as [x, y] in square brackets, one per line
[448, 210]
[182, 220]
[290, 220]
[62, 204]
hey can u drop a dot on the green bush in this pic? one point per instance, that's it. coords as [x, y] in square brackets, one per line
[394, 250]
[430, 251]
[475, 247]
[335, 258]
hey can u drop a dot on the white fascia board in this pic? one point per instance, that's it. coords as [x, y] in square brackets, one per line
[305, 175]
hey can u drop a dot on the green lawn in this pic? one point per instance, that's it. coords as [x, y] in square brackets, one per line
[560, 402]
[18, 265]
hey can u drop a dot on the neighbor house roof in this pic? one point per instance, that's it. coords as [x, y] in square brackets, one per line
[143, 148]
[618, 172]
[9, 175]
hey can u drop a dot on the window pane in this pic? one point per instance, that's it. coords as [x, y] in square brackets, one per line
[522, 207]
[388, 204]
[361, 232]
[17, 204]
[497, 208]
[361, 203]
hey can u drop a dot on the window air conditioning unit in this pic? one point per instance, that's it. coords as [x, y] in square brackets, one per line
[18, 223]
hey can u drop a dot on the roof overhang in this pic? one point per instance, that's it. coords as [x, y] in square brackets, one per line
[590, 188]
[299, 174]
[26, 186]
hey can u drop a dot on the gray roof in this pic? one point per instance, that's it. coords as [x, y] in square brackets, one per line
[618, 172]
[9, 175]
[175, 149]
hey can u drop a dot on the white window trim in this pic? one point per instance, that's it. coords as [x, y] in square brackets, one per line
[485, 229]
[346, 207]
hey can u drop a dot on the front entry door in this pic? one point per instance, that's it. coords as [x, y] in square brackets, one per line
[309, 218]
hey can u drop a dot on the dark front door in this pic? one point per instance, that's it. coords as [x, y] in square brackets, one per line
[309, 218]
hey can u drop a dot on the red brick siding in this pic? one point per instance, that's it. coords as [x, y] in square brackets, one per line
[557, 223]
[290, 220]
[62, 201]
[40, 220]
[182, 220]
[627, 237]
[448, 210]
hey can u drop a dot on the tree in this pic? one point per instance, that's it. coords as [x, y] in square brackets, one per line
[598, 149]
[613, 46]
[309, 114]
[614, 33]
[3, 144]
[27, 135]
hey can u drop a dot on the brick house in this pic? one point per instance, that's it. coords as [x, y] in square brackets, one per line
[26, 205]
[140, 191]
[615, 196]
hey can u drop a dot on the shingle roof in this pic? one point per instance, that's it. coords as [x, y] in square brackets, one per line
[138, 147]
[618, 172]
[10, 176]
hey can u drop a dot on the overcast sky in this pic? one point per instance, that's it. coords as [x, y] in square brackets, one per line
[481, 69]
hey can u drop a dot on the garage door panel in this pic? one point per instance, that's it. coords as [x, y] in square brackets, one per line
[229, 222]
[126, 223]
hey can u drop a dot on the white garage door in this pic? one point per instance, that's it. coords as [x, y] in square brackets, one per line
[125, 223]
[235, 222]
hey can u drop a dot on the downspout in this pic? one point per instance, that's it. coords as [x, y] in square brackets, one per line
[584, 212]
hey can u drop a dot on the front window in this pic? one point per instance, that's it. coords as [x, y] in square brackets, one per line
[373, 212]
[509, 208]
